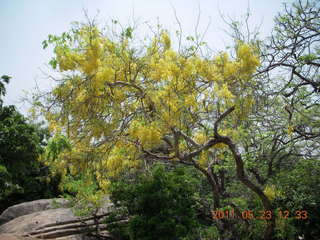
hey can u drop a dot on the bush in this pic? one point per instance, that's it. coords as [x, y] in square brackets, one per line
[160, 204]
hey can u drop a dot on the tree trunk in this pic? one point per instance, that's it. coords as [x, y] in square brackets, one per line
[269, 232]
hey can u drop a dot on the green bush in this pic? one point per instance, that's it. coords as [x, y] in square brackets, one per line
[160, 204]
[301, 192]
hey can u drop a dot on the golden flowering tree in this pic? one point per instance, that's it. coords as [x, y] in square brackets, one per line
[118, 101]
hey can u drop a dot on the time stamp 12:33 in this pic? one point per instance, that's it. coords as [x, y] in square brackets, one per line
[262, 215]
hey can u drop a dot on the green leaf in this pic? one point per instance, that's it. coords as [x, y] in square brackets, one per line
[6, 78]
[53, 63]
[128, 32]
[44, 44]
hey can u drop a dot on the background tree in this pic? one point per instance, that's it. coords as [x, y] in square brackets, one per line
[22, 177]
[290, 68]
[294, 50]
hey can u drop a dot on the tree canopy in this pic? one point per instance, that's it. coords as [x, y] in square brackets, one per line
[241, 117]
[117, 99]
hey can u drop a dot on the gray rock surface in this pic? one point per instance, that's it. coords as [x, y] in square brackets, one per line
[38, 219]
[14, 237]
[30, 222]
[30, 207]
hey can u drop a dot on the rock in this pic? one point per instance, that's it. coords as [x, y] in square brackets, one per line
[30, 222]
[14, 237]
[30, 207]
[59, 223]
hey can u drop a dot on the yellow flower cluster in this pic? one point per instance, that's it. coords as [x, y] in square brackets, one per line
[166, 39]
[203, 159]
[247, 58]
[271, 192]
[121, 157]
[104, 74]
[114, 162]
[149, 135]
[104, 184]
[220, 146]
[200, 138]
[191, 101]
[157, 86]
[224, 92]
[290, 129]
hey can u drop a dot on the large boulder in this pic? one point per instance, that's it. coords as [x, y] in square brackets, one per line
[14, 237]
[30, 207]
[43, 221]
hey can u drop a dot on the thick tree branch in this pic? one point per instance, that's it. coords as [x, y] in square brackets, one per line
[216, 124]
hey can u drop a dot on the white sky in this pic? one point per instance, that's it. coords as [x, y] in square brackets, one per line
[24, 24]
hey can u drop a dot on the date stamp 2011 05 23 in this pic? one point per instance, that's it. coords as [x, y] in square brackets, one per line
[261, 215]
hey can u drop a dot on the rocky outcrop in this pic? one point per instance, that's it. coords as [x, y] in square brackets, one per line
[39, 221]
[14, 237]
[31, 207]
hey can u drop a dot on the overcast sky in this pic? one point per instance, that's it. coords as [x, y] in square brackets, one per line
[24, 24]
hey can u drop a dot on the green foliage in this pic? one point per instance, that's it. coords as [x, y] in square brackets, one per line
[56, 145]
[22, 177]
[302, 192]
[160, 203]
[83, 193]
[53, 63]
[6, 184]
[3, 79]
[128, 32]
